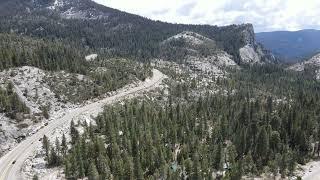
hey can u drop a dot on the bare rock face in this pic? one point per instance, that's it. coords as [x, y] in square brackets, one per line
[249, 55]
[187, 43]
[191, 38]
[252, 52]
[248, 34]
[198, 54]
[313, 62]
[312, 65]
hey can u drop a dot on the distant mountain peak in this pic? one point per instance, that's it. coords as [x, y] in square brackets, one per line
[291, 46]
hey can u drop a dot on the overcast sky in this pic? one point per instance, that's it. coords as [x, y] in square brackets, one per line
[265, 15]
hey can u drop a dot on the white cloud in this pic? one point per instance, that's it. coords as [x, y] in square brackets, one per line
[266, 15]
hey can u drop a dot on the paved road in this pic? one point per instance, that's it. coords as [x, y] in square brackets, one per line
[312, 176]
[11, 163]
[312, 171]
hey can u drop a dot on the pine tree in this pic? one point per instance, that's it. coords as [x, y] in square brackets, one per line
[67, 168]
[81, 168]
[275, 141]
[45, 111]
[217, 163]
[54, 159]
[128, 167]
[35, 177]
[64, 145]
[93, 172]
[46, 147]
[10, 88]
[138, 169]
[73, 133]
[58, 146]
[262, 144]
[103, 167]
[196, 167]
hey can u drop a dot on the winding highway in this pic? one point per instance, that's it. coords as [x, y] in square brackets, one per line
[311, 171]
[11, 163]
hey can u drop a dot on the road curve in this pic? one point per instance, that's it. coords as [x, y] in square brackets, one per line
[311, 171]
[11, 163]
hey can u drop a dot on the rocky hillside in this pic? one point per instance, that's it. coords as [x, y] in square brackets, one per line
[190, 45]
[90, 25]
[309, 66]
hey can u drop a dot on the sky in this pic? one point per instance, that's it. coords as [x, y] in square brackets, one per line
[265, 15]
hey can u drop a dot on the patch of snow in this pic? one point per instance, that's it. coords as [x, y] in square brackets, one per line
[91, 57]
[248, 54]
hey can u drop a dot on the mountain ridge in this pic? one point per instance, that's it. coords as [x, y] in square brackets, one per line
[310, 66]
[117, 33]
[291, 46]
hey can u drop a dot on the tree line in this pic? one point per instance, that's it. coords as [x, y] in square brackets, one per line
[141, 140]
[10, 103]
[252, 131]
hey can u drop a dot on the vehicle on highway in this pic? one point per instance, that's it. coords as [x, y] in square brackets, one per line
[14, 162]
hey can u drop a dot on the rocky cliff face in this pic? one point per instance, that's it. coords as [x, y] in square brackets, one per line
[248, 34]
[254, 52]
[309, 66]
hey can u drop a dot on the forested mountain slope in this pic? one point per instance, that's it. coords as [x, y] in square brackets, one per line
[267, 127]
[17, 50]
[227, 109]
[90, 25]
[47, 76]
